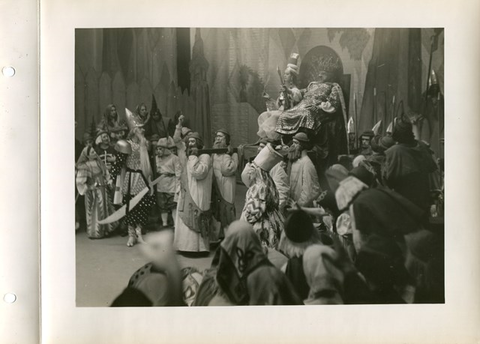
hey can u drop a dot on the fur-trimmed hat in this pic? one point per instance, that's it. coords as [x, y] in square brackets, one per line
[98, 136]
[194, 135]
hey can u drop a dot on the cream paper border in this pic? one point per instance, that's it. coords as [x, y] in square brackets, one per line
[456, 321]
[19, 225]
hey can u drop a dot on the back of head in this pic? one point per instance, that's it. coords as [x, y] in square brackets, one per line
[403, 131]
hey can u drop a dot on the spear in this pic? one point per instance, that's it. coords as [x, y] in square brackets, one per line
[356, 119]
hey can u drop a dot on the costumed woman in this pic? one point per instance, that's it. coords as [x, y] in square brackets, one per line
[321, 113]
[261, 208]
[93, 182]
[133, 171]
[290, 96]
[110, 122]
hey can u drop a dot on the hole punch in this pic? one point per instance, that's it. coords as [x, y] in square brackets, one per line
[8, 71]
[10, 298]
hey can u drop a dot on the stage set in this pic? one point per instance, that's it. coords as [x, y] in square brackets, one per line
[253, 87]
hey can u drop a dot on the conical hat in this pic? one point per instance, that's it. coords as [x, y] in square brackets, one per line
[133, 121]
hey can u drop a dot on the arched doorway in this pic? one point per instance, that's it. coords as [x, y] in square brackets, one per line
[308, 72]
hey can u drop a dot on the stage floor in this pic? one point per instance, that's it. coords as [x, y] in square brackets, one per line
[104, 266]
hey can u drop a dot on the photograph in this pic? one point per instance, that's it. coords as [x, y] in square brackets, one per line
[258, 166]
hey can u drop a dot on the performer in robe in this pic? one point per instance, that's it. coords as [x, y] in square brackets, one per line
[104, 149]
[169, 170]
[279, 176]
[304, 185]
[93, 182]
[133, 170]
[290, 96]
[322, 114]
[261, 207]
[223, 190]
[110, 122]
[408, 165]
[141, 111]
[193, 219]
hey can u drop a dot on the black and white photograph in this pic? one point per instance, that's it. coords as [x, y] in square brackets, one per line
[259, 166]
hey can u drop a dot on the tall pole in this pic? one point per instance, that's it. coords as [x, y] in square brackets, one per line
[355, 115]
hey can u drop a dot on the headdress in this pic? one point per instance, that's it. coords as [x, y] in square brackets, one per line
[186, 131]
[298, 235]
[165, 142]
[225, 132]
[98, 136]
[292, 63]
[368, 133]
[363, 174]
[327, 64]
[302, 137]
[402, 130]
[133, 120]
[267, 158]
[87, 137]
[154, 138]
[195, 136]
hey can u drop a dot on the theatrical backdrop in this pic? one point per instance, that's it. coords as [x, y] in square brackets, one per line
[216, 76]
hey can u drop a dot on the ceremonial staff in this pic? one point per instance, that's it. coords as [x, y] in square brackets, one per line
[286, 100]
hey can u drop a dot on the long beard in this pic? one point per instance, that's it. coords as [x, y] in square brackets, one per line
[189, 150]
[219, 145]
[294, 153]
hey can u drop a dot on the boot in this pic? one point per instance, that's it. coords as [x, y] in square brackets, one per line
[132, 237]
[138, 232]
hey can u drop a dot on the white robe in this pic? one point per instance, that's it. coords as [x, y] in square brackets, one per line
[199, 177]
[304, 185]
[224, 171]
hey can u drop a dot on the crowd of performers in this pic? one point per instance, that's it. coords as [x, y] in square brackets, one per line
[317, 227]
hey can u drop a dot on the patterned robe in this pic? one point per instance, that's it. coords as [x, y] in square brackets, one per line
[91, 182]
[261, 205]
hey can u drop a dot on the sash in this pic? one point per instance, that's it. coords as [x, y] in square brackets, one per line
[192, 216]
[222, 210]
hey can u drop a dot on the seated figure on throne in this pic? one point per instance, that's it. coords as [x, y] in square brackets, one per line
[289, 97]
[321, 114]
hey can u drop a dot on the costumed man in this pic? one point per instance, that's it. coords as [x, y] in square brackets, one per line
[223, 189]
[377, 160]
[304, 185]
[133, 170]
[408, 165]
[289, 97]
[104, 149]
[365, 147]
[120, 133]
[431, 124]
[279, 176]
[261, 207]
[380, 220]
[169, 170]
[322, 114]
[159, 124]
[110, 122]
[193, 220]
